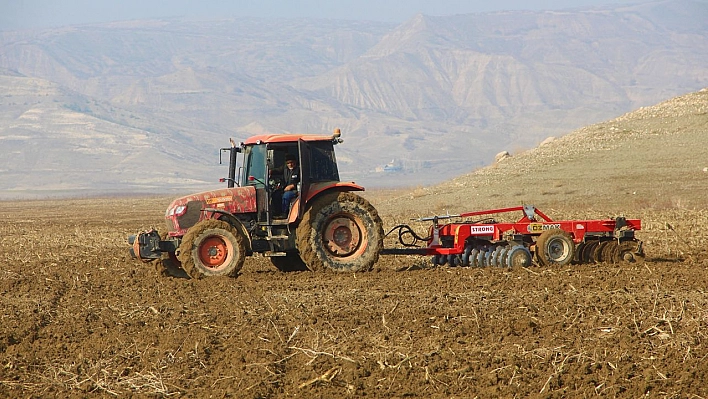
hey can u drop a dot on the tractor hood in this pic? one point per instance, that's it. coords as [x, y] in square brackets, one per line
[185, 212]
[233, 200]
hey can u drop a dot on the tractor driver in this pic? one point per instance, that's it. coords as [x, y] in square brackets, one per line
[291, 177]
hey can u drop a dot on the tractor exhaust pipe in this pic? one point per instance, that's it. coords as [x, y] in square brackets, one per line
[233, 151]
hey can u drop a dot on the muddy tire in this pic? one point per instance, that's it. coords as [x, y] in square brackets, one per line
[555, 248]
[518, 256]
[212, 248]
[340, 232]
[169, 265]
[288, 263]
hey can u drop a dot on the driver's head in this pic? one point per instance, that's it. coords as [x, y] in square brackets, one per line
[290, 161]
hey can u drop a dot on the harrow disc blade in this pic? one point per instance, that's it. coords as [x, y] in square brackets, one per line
[589, 251]
[495, 260]
[454, 260]
[466, 256]
[629, 252]
[578, 256]
[599, 251]
[481, 256]
[474, 258]
[608, 251]
[503, 257]
[488, 257]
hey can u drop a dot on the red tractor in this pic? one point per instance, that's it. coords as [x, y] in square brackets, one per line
[326, 226]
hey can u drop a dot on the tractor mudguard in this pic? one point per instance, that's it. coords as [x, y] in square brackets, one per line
[315, 190]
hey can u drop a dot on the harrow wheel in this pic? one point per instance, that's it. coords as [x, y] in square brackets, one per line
[555, 247]
[518, 256]
[629, 252]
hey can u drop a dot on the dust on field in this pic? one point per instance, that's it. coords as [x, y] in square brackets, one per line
[80, 318]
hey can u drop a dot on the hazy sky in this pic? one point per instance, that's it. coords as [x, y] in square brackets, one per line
[21, 14]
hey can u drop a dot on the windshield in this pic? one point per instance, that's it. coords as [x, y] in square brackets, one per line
[254, 174]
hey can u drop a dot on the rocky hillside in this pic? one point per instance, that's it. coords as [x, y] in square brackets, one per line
[144, 106]
[651, 158]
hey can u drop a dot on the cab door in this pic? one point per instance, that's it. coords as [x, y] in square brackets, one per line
[304, 152]
[255, 174]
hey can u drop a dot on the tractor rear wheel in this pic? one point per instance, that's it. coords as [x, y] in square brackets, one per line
[340, 232]
[555, 247]
[212, 248]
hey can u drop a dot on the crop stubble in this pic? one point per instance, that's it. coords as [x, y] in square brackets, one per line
[80, 317]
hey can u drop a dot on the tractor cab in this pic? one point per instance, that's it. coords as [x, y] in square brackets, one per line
[263, 168]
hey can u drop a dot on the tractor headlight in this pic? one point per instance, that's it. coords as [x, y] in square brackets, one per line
[180, 210]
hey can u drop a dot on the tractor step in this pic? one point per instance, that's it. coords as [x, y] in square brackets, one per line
[278, 237]
[275, 254]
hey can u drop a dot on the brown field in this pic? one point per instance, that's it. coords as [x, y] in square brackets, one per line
[80, 318]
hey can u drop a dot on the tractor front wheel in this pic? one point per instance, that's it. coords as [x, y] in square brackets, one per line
[340, 232]
[212, 248]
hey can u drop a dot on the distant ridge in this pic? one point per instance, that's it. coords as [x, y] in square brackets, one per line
[144, 106]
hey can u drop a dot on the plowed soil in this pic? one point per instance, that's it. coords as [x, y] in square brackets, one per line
[79, 318]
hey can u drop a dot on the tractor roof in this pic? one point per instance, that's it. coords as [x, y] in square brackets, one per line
[286, 138]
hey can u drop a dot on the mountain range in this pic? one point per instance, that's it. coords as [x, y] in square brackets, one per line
[144, 106]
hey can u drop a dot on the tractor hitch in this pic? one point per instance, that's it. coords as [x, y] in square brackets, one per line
[147, 245]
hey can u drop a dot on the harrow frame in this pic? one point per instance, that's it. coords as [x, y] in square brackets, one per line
[535, 237]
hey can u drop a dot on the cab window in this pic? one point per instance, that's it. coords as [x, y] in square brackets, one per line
[255, 172]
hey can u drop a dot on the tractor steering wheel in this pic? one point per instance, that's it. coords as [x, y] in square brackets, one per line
[275, 183]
